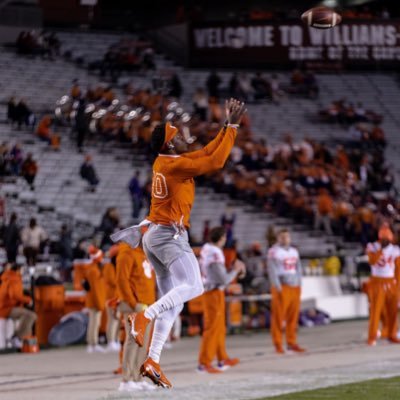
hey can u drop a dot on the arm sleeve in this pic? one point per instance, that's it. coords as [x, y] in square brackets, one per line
[299, 270]
[273, 276]
[209, 149]
[189, 168]
[220, 276]
[124, 267]
[373, 257]
[16, 293]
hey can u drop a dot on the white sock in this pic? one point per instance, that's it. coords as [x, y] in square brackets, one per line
[162, 329]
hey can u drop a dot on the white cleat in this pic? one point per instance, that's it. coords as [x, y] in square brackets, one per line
[130, 386]
[113, 347]
[98, 349]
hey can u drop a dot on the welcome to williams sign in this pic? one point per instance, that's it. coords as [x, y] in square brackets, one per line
[362, 44]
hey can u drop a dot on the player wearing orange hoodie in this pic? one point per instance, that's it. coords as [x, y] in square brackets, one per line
[136, 291]
[95, 299]
[12, 302]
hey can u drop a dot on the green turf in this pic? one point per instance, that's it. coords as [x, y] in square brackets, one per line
[376, 389]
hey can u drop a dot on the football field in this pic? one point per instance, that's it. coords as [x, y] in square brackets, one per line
[337, 355]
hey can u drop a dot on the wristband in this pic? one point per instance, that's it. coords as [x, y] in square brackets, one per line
[235, 126]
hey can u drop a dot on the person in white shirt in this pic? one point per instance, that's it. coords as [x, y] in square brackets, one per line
[284, 269]
[384, 258]
[216, 278]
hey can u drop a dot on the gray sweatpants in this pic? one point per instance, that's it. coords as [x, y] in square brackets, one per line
[178, 279]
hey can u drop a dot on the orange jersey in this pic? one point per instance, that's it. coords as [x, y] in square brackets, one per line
[173, 184]
[135, 278]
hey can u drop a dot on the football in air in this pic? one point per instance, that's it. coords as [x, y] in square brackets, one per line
[321, 18]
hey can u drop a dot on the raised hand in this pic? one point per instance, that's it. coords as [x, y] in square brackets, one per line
[234, 110]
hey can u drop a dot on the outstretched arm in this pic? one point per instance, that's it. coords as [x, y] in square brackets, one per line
[233, 111]
[189, 167]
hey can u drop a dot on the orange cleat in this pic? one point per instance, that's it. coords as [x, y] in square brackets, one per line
[394, 340]
[228, 363]
[371, 342]
[138, 323]
[296, 348]
[279, 349]
[209, 369]
[153, 371]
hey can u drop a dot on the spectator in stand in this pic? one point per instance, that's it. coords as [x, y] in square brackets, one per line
[227, 222]
[213, 82]
[13, 302]
[12, 111]
[256, 267]
[32, 238]
[65, 252]
[81, 124]
[324, 209]
[16, 159]
[234, 89]
[136, 192]
[175, 87]
[12, 238]
[4, 159]
[109, 224]
[276, 93]
[88, 173]
[245, 87]
[148, 63]
[46, 134]
[24, 115]
[29, 169]
[76, 92]
[260, 86]
[200, 104]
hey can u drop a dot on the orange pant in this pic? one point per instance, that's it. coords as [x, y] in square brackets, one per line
[214, 329]
[384, 318]
[285, 308]
[383, 301]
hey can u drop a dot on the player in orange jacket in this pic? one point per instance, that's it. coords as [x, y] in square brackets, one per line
[95, 299]
[110, 281]
[12, 302]
[136, 291]
[383, 257]
[166, 242]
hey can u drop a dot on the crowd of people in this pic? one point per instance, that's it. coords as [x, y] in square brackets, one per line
[126, 55]
[44, 44]
[13, 162]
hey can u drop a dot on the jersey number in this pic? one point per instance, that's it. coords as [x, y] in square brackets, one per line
[289, 264]
[385, 261]
[160, 189]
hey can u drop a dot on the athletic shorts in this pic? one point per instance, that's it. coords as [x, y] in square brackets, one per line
[162, 248]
